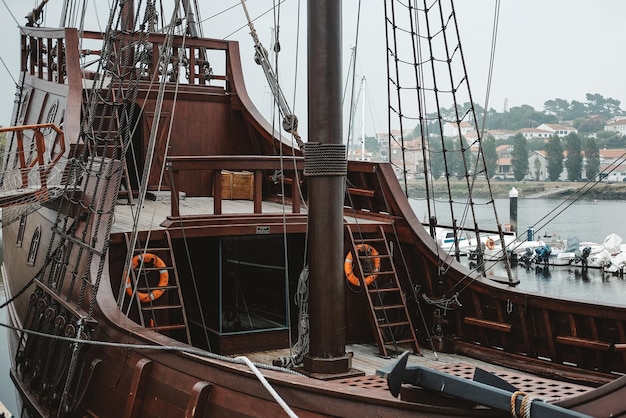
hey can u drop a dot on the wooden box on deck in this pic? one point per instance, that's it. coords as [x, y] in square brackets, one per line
[237, 185]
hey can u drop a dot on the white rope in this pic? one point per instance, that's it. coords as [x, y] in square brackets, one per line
[267, 386]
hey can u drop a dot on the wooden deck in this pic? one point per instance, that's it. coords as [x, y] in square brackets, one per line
[366, 359]
[157, 209]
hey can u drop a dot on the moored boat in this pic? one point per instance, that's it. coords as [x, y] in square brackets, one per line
[158, 233]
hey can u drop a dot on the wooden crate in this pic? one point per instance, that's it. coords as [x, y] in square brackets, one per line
[237, 185]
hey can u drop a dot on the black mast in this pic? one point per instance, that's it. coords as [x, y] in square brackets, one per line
[325, 164]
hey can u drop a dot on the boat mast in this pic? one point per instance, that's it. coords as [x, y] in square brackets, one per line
[326, 191]
[363, 119]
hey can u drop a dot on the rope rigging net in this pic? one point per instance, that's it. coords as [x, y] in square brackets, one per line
[432, 117]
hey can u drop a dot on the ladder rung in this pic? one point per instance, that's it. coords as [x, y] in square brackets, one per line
[159, 307]
[385, 272]
[394, 324]
[368, 240]
[371, 257]
[385, 307]
[403, 341]
[144, 268]
[150, 250]
[167, 327]
[384, 289]
[148, 289]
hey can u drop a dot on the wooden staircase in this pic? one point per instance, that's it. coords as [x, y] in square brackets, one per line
[166, 313]
[388, 313]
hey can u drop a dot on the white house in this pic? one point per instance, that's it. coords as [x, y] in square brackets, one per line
[451, 129]
[538, 166]
[530, 133]
[556, 129]
[618, 126]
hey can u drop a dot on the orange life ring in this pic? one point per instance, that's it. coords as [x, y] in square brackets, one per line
[490, 243]
[164, 277]
[349, 270]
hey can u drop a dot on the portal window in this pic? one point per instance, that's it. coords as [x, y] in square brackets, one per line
[20, 231]
[34, 246]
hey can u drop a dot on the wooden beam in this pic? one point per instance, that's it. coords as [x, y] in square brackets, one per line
[484, 323]
[583, 342]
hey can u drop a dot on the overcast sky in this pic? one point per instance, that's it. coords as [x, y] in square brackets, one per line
[546, 49]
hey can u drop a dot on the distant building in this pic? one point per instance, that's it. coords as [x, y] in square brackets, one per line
[413, 157]
[618, 126]
[505, 169]
[451, 129]
[500, 134]
[530, 133]
[538, 166]
[556, 129]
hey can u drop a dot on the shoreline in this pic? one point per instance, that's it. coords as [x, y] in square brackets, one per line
[525, 189]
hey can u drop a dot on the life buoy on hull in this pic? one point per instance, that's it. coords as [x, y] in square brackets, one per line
[490, 243]
[164, 277]
[348, 267]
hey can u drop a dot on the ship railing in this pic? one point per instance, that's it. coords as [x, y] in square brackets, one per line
[43, 53]
[27, 176]
[48, 52]
[257, 165]
[193, 61]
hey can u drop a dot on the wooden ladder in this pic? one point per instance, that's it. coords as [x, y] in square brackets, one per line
[106, 116]
[167, 312]
[388, 313]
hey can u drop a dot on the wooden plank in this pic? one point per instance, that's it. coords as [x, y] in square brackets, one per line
[197, 406]
[134, 400]
[583, 342]
[361, 192]
[484, 323]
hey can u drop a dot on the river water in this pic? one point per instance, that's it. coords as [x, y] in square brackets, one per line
[587, 220]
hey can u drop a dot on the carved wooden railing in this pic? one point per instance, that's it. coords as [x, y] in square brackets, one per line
[17, 182]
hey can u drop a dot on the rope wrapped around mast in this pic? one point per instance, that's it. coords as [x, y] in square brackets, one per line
[325, 159]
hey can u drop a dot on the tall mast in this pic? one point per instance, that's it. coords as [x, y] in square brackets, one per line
[363, 119]
[327, 353]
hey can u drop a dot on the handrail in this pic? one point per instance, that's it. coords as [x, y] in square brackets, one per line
[26, 167]
[254, 163]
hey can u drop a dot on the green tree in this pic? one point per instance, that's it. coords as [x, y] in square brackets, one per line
[463, 161]
[574, 162]
[435, 156]
[554, 149]
[598, 105]
[590, 125]
[592, 154]
[556, 107]
[537, 169]
[519, 157]
[372, 144]
[490, 155]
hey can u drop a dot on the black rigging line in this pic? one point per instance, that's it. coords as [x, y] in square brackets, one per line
[245, 25]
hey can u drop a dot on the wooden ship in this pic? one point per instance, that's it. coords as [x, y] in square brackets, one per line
[158, 235]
